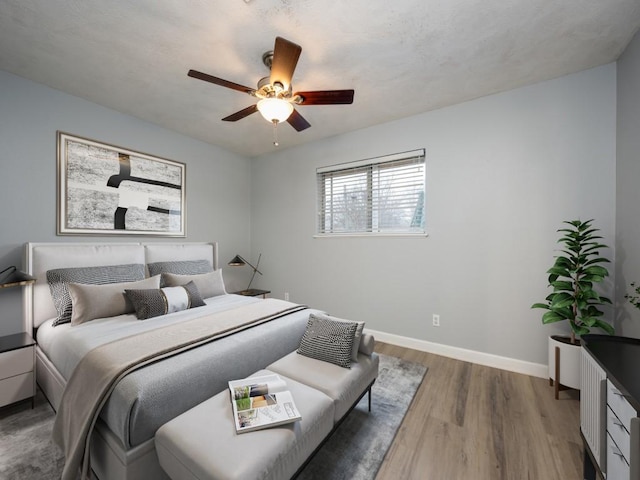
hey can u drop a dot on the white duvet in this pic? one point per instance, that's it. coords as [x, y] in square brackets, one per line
[65, 345]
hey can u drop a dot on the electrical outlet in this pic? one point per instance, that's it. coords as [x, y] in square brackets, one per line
[286, 296]
[436, 320]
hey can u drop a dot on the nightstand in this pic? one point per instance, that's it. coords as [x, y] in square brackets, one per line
[253, 292]
[17, 368]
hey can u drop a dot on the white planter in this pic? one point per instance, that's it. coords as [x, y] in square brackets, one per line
[570, 357]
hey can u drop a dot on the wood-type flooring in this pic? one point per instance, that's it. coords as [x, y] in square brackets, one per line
[472, 422]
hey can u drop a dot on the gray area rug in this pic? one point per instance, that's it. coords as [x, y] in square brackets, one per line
[26, 448]
[357, 447]
[355, 450]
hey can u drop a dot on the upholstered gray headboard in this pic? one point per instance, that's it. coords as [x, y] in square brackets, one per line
[40, 257]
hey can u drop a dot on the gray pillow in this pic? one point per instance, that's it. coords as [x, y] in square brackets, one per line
[356, 338]
[328, 340]
[209, 284]
[183, 267]
[101, 301]
[59, 278]
[149, 303]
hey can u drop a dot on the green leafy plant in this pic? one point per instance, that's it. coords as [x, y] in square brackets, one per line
[635, 298]
[573, 275]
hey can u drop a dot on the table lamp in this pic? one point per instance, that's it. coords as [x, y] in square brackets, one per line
[238, 261]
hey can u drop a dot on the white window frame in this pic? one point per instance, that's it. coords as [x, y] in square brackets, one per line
[372, 170]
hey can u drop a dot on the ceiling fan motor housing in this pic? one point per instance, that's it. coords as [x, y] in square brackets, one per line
[266, 90]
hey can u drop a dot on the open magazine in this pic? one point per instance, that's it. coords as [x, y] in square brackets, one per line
[261, 402]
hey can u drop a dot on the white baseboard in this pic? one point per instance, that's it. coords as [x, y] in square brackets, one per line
[487, 359]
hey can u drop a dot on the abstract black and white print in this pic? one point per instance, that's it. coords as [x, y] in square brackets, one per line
[105, 189]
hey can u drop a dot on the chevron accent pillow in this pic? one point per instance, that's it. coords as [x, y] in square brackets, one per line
[182, 267]
[328, 340]
[356, 338]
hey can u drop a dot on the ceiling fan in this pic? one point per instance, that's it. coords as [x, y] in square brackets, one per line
[277, 101]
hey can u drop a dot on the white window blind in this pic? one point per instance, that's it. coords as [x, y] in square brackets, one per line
[384, 195]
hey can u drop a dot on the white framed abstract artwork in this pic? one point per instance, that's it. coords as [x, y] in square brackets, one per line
[109, 190]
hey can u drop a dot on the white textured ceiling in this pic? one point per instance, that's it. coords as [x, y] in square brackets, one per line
[402, 57]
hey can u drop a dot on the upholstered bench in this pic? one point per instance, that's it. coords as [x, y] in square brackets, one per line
[345, 386]
[202, 443]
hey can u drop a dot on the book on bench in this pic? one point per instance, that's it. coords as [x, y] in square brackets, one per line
[262, 402]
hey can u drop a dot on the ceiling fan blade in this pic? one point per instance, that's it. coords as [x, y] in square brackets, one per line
[245, 112]
[326, 97]
[297, 121]
[219, 81]
[285, 59]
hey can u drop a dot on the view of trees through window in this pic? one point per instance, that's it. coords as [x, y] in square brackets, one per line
[383, 197]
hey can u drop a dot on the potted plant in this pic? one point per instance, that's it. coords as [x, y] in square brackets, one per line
[573, 276]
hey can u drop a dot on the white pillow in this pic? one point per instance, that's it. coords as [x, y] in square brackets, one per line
[101, 301]
[208, 284]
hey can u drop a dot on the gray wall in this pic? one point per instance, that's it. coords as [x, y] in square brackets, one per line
[503, 172]
[628, 187]
[217, 184]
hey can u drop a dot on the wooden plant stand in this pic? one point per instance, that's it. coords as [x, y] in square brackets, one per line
[557, 375]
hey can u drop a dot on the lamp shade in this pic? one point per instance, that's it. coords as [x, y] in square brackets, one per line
[237, 261]
[275, 109]
[12, 277]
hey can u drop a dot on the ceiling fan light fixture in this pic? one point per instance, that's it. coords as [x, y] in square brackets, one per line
[275, 109]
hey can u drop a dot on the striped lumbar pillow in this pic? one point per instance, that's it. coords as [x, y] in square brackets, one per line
[150, 303]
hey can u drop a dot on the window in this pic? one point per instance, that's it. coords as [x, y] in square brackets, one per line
[384, 195]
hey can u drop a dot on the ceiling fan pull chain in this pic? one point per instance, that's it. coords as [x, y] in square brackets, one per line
[275, 133]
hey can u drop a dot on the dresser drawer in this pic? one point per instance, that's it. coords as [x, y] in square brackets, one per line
[617, 466]
[619, 405]
[15, 362]
[620, 435]
[16, 388]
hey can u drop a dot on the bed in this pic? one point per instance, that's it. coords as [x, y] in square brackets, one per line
[122, 444]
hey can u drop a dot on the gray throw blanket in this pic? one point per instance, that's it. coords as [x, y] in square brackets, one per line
[102, 368]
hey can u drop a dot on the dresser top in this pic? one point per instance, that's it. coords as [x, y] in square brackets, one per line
[620, 358]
